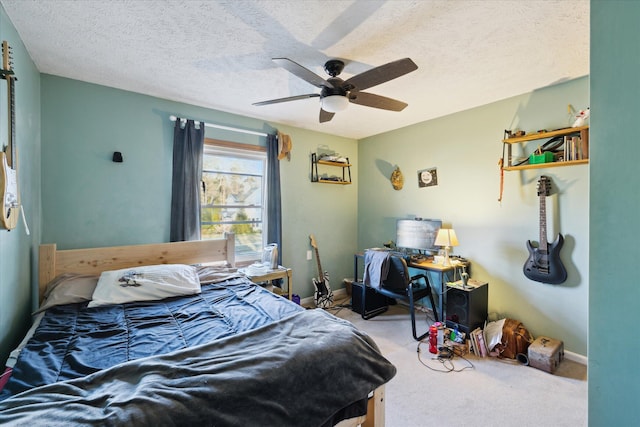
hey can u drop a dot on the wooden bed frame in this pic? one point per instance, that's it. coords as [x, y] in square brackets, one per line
[96, 260]
[54, 262]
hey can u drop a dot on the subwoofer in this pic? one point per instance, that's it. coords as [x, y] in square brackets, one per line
[374, 300]
[466, 308]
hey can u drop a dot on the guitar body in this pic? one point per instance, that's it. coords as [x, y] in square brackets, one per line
[323, 296]
[9, 189]
[545, 265]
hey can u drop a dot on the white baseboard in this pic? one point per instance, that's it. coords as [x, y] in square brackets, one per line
[575, 357]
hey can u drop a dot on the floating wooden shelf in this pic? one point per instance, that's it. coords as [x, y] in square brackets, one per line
[584, 136]
[329, 181]
[544, 135]
[338, 164]
[346, 167]
[547, 165]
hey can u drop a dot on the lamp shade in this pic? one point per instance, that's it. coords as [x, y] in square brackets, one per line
[446, 237]
[334, 103]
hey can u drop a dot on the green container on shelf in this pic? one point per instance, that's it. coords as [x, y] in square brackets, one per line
[545, 157]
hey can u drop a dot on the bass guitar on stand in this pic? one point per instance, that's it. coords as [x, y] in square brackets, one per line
[323, 296]
[8, 156]
[544, 263]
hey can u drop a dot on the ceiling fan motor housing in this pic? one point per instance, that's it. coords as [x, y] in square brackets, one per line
[337, 89]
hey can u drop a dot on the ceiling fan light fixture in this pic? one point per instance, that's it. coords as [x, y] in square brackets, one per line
[334, 103]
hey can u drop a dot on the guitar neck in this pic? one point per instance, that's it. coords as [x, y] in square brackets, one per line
[8, 74]
[543, 223]
[320, 274]
[11, 152]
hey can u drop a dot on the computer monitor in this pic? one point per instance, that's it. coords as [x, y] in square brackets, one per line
[417, 234]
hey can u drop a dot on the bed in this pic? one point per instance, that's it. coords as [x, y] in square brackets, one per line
[229, 353]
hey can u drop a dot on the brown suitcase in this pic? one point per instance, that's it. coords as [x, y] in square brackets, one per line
[546, 354]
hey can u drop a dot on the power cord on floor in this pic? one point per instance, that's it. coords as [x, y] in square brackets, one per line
[337, 308]
[445, 356]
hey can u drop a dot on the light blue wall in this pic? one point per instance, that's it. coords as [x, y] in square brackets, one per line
[18, 251]
[465, 148]
[327, 211]
[614, 300]
[88, 200]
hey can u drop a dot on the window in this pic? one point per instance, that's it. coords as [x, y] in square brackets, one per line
[234, 196]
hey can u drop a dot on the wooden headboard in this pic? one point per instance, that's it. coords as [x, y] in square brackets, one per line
[96, 260]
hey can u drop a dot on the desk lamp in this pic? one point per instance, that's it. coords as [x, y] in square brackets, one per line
[446, 237]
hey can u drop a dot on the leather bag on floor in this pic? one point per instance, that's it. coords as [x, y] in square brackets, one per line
[515, 339]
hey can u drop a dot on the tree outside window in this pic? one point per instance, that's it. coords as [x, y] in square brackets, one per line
[234, 198]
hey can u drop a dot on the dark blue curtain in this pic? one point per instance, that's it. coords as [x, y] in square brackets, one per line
[274, 208]
[188, 143]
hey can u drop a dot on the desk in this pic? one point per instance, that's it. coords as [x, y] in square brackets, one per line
[443, 272]
[279, 273]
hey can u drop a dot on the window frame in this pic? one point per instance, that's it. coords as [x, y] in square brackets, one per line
[247, 151]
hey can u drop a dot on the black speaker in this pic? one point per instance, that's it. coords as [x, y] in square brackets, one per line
[373, 299]
[466, 308]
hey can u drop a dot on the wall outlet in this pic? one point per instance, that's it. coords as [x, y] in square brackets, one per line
[309, 256]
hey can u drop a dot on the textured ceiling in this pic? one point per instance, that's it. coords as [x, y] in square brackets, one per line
[217, 54]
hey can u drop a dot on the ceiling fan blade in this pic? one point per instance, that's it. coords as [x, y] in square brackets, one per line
[376, 101]
[381, 74]
[302, 72]
[288, 98]
[325, 116]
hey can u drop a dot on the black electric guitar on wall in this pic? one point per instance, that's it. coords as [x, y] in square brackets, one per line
[8, 156]
[544, 263]
[323, 296]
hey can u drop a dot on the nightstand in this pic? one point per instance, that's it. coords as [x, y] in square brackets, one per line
[279, 273]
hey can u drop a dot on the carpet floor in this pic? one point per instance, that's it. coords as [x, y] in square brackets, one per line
[475, 392]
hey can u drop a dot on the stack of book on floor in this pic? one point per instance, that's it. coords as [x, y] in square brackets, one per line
[477, 344]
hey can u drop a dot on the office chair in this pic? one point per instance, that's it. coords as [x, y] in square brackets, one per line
[400, 285]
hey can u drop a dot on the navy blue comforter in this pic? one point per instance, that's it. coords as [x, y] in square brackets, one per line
[73, 341]
[234, 355]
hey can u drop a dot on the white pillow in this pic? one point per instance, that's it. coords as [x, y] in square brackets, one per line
[68, 288]
[146, 283]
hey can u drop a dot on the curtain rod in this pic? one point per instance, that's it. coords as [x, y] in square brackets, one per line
[213, 125]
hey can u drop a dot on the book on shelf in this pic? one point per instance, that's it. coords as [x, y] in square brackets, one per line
[584, 143]
[575, 148]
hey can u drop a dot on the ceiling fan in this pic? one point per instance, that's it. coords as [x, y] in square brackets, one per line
[336, 94]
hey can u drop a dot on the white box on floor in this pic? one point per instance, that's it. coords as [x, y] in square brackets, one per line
[546, 354]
